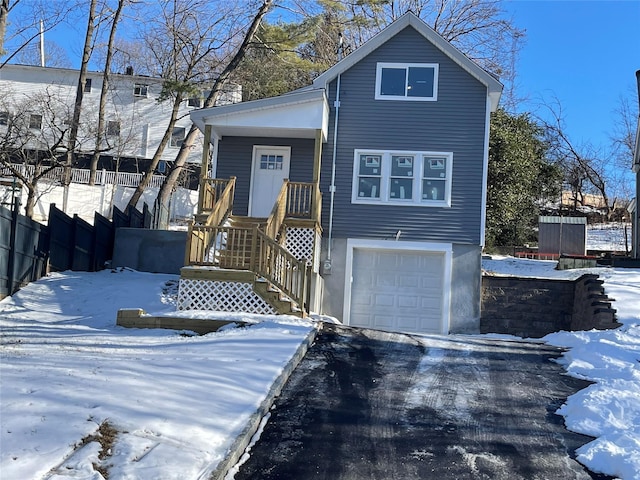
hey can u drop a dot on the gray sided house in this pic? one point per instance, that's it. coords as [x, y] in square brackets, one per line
[387, 153]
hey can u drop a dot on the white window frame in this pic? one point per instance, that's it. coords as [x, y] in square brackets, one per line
[381, 65]
[417, 176]
[140, 90]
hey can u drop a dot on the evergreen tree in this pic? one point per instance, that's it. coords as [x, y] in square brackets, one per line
[520, 179]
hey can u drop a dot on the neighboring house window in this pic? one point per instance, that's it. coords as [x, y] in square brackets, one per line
[407, 81]
[4, 118]
[177, 136]
[140, 90]
[35, 121]
[402, 177]
[113, 128]
[195, 102]
[87, 85]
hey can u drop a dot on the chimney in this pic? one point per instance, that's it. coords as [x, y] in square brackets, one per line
[128, 70]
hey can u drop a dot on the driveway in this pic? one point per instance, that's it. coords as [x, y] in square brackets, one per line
[372, 405]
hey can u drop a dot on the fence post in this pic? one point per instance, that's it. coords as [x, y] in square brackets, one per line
[12, 246]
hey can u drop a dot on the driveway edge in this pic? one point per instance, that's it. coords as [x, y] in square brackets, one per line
[240, 444]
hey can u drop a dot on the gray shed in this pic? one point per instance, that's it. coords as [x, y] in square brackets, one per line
[562, 235]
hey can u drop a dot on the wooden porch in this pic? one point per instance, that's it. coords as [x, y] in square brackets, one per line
[276, 257]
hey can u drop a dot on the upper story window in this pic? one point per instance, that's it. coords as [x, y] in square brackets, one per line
[35, 121]
[4, 118]
[195, 102]
[402, 177]
[113, 128]
[177, 136]
[140, 90]
[87, 85]
[407, 81]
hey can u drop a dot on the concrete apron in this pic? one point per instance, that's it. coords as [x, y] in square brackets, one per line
[369, 405]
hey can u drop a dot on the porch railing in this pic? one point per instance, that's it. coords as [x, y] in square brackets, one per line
[80, 175]
[200, 239]
[295, 200]
[212, 190]
[251, 249]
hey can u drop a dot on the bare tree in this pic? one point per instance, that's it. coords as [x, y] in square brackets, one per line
[19, 34]
[32, 140]
[77, 108]
[586, 167]
[196, 50]
[104, 92]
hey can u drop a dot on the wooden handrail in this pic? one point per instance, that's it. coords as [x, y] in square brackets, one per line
[198, 240]
[213, 189]
[222, 208]
[251, 249]
[278, 212]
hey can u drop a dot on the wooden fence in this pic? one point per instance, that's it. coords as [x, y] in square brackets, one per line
[29, 249]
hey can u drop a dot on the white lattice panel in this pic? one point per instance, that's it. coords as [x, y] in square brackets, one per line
[221, 296]
[301, 245]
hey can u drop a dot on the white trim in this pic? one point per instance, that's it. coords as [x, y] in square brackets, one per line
[426, 247]
[485, 174]
[385, 177]
[214, 155]
[286, 151]
[406, 67]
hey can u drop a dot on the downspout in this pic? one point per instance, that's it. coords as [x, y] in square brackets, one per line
[332, 187]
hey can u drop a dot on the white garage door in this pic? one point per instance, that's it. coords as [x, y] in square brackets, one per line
[397, 290]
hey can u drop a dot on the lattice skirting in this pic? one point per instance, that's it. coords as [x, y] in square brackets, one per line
[300, 242]
[221, 296]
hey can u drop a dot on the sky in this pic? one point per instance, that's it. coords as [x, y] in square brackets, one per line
[178, 402]
[585, 54]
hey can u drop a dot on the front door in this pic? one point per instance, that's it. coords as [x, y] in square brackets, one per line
[270, 168]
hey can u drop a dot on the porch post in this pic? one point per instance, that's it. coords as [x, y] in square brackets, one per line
[317, 155]
[206, 147]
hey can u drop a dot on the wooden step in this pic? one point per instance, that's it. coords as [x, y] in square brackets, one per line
[282, 304]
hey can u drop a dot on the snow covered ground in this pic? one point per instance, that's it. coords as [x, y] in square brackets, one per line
[610, 408]
[79, 395]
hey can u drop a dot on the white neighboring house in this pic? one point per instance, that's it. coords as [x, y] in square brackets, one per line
[135, 120]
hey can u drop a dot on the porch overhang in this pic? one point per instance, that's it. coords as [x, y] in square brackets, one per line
[299, 114]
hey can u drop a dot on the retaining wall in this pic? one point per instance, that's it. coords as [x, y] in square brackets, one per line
[532, 307]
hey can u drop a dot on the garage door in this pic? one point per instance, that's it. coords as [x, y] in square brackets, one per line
[397, 290]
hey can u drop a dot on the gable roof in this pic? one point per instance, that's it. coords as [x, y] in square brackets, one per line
[494, 87]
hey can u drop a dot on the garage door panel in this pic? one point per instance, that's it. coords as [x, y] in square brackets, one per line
[397, 290]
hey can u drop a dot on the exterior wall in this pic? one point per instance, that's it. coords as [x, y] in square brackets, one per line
[155, 251]
[143, 120]
[464, 313]
[454, 123]
[235, 158]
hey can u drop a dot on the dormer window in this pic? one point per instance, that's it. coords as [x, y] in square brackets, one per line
[407, 81]
[140, 90]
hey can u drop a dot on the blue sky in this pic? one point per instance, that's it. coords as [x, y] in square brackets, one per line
[584, 53]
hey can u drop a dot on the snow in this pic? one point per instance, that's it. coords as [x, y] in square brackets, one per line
[609, 409]
[178, 401]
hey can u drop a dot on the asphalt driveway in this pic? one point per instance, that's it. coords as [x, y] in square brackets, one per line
[372, 405]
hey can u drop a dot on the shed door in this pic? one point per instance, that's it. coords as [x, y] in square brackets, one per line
[397, 290]
[270, 168]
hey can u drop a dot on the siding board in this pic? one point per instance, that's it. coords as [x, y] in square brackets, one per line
[454, 123]
[235, 157]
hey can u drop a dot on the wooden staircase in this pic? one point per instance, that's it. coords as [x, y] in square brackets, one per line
[249, 250]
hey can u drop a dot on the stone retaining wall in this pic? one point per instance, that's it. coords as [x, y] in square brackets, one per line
[532, 307]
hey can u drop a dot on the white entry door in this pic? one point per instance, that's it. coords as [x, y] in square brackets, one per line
[270, 168]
